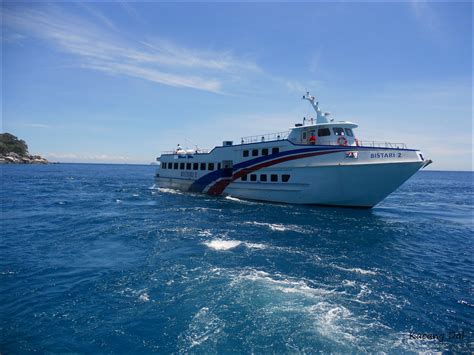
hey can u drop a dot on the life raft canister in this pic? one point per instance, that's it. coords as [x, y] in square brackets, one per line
[342, 141]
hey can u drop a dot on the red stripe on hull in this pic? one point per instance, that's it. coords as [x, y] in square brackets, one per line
[219, 187]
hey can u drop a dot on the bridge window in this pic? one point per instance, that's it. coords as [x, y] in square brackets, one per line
[181, 166]
[245, 153]
[195, 166]
[244, 177]
[210, 166]
[265, 151]
[163, 165]
[255, 152]
[324, 132]
[263, 177]
[285, 177]
[338, 131]
[188, 166]
[253, 177]
[175, 166]
[349, 132]
[203, 166]
[275, 150]
[274, 178]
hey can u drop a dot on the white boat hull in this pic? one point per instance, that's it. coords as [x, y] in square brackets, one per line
[350, 185]
[337, 176]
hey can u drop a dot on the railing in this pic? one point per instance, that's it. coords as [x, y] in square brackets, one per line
[376, 144]
[265, 137]
[284, 135]
[185, 151]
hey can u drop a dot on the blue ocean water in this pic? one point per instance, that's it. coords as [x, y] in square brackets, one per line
[96, 259]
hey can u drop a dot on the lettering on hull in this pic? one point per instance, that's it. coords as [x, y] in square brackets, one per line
[385, 155]
[189, 174]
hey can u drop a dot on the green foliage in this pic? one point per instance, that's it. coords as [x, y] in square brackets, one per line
[11, 144]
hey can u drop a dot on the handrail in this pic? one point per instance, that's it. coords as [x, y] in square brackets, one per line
[185, 151]
[376, 144]
[265, 137]
[283, 136]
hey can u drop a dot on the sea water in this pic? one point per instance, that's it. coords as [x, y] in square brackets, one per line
[97, 259]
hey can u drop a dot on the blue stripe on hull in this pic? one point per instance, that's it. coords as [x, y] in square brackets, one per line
[200, 184]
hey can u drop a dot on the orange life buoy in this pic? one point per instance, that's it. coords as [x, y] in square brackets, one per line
[342, 141]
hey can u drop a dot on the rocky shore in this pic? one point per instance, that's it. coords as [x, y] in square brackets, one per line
[15, 151]
[14, 158]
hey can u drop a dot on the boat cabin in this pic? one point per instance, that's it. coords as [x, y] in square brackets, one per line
[329, 133]
[324, 131]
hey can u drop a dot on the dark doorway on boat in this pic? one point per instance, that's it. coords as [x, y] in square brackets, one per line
[227, 167]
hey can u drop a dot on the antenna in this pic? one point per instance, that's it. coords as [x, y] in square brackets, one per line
[320, 118]
[311, 99]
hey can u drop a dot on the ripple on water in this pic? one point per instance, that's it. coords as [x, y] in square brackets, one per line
[169, 272]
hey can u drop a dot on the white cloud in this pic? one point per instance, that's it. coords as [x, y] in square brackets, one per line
[37, 125]
[428, 19]
[101, 49]
[98, 15]
[12, 37]
[92, 158]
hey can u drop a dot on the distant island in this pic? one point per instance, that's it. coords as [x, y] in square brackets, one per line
[15, 151]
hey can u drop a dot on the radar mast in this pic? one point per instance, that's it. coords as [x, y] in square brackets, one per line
[320, 118]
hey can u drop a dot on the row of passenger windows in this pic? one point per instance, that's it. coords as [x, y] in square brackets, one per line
[263, 177]
[264, 151]
[338, 131]
[190, 166]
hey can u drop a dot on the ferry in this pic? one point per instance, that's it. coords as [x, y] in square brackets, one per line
[317, 162]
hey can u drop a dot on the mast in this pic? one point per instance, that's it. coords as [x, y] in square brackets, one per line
[320, 118]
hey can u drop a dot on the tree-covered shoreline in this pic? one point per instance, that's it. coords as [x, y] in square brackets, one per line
[15, 151]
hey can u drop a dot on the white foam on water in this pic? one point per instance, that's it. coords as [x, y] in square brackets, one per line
[185, 230]
[225, 244]
[246, 202]
[144, 297]
[349, 283]
[142, 294]
[465, 303]
[169, 191]
[320, 308]
[205, 233]
[280, 283]
[336, 322]
[204, 327]
[255, 245]
[221, 244]
[233, 198]
[272, 226]
[324, 310]
[135, 195]
[364, 291]
[355, 270]
[118, 201]
[278, 227]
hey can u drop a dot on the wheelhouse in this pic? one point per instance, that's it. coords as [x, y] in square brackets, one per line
[330, 133]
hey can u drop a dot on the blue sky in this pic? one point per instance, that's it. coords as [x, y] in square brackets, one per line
[119, 82]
